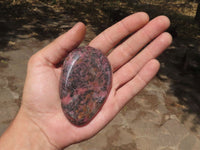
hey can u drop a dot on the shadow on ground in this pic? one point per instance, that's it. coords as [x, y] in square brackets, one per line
[181, 63]
[26, 20]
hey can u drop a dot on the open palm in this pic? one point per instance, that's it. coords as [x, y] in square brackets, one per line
[132, 70]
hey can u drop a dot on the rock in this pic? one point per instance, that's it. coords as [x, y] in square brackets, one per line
[85, 84]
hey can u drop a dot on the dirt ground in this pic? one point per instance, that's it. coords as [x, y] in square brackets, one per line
[164, 116]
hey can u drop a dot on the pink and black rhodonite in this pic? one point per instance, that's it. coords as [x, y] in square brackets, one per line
[85, 84]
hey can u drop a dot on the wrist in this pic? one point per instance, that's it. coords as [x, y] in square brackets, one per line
[24, 134]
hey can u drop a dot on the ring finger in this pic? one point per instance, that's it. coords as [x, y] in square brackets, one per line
[130, 69]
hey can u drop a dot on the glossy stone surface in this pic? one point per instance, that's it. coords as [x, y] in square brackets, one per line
[85, 84]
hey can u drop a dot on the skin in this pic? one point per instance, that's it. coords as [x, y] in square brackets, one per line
[40, 122]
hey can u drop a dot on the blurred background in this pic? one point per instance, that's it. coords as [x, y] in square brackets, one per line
[165, 115]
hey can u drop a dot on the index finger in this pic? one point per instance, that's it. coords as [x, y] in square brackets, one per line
[114, 34]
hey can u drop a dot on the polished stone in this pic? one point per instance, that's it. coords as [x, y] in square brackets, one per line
[85, 84]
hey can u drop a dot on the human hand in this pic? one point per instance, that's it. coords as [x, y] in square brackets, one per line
[132, 70]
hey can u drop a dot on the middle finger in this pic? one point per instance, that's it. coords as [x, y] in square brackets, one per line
[124, 52]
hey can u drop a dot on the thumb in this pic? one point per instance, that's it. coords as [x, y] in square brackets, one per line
[54, 52]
